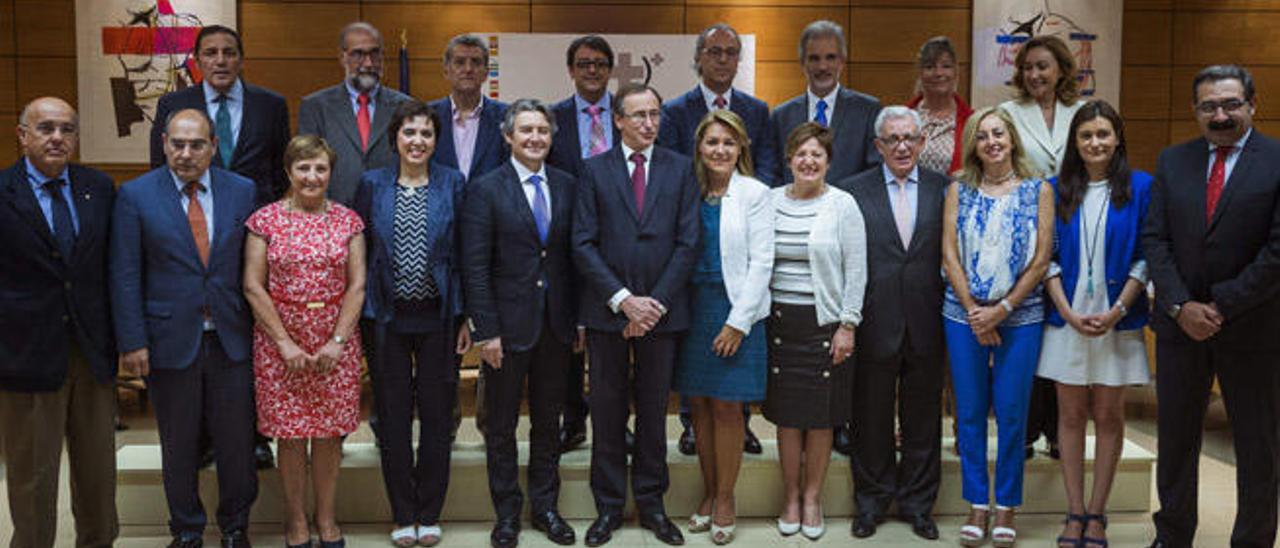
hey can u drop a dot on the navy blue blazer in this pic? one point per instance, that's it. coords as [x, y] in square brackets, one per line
[491, 149]
[375, 201]
[45, 297]
[566, 150]
[264, 134]
[513, 280]
[159, 287]
[681, 116]
[652, 254]
[1122, 247]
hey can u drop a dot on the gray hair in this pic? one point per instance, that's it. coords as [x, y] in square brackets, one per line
[823, 29]
[526, 105]
[358, 26]
[470, 40]
[702, 37]
[894, 112]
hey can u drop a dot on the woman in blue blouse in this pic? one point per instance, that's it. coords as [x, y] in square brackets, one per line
[414, 298]
[996, 241]
[1093, 345]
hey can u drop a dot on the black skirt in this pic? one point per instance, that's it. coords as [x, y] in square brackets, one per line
[805, 391]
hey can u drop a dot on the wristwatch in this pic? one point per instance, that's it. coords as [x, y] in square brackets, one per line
[848, 325]
[1173, 310]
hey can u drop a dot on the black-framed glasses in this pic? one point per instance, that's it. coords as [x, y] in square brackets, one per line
[588, 64]
[893, 141]
[360, 54]
[1228, 106]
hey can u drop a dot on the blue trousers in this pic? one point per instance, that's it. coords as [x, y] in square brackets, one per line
[992, 378]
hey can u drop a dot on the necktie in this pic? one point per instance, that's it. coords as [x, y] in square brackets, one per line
[64, 231]
[222, 127]
[902, 214]
[596, 142]
[1217, 178]
[820, 113]
[195, 218]
[719, 102]
[541, 215]
[362, 121]
[637, 181]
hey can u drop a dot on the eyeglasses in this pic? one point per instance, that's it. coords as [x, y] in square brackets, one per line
[893, 141]
[361, 54]
[722, 52]
[1211, 107]
[640, 116]
[588, 64]
[48, 129]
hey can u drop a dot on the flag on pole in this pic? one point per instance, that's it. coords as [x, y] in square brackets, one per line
[404, 63]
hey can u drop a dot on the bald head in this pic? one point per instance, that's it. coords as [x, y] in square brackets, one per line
[49, 133]
[189, 143]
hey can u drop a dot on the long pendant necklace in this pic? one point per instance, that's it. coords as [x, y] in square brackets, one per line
[1091, 243]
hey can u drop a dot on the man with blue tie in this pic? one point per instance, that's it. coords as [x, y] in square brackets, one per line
[635, 240]
[518, 269]
[584, 129]
[57, 352]
[469, 139]
[181, 320]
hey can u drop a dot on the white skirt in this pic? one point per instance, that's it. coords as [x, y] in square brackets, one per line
[1118, 358]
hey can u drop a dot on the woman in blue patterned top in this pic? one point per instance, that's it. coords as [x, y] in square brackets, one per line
[996, 242]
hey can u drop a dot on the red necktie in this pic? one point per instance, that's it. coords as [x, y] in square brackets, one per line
[362, 121]
[637, 181]
[719, 103]
[195, 218]
[1217, 178]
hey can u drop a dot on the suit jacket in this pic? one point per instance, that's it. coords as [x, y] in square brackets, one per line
[264, 134]
[904, 288]
[491, 149]
[651, 254]
[328, 113]
[48, 301]
[1233, 260]
[1042, 147]
[681, 116]
[159, 287]
[513, 280]
[376, 203]
[566, 150]
[853, 124]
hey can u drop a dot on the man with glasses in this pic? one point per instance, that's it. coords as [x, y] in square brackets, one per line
[181, 320]
[1212, 244]
[901, 358]
[57, 374]
[353, 115]
[635, 240]
[470, 137]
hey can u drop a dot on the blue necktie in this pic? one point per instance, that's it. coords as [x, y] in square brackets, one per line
[222, 127]
[820, 114]
[541, 216]
[64, 231]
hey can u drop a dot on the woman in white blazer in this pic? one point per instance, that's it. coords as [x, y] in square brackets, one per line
[1048, 96]
[723, 355]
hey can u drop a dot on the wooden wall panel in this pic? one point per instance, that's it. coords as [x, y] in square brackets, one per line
[8, 139]
[45, 27]
[1221, 36]
[1145, 139]
[42, 76]
[426, 78]
[295, 30]
[642, 19]
[1148, 5]
[1266, 81]
[777, 29]
[895, 35]
[767, 3]
[430, 28]
[777, 81]
[911, 3]
[613, 2]
[8, 87]
[893, 83]
[6, 27]
[1232, 5]
[293, 79]
[1146, 39]
[1144, 93]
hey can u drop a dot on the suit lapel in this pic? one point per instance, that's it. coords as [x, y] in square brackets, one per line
[444, 142]
[248, 120]
[24, 201]
[170, 200]
[223, 218]
[85, 211]
[487, 131]
[561, 202]
[657, 176]
[878, 197]
[1033, 122]
[1239, 176]
[928, 198]
[844, 104]
[513, 190]
[621, 173]
[384, 211]
[381, 118]
[340, 104]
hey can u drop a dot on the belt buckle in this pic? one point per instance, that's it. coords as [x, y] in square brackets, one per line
[314, 305]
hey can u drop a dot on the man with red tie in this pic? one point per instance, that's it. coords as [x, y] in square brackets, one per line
[1212, 244]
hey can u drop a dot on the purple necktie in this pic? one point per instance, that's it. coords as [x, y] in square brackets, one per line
[637, 181]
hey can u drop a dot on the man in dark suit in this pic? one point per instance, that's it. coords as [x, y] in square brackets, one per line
[57, 373]
[470, 140]
[635, 239]
[517, 263]
[353, 115]
[251, 123]
[715, 56]
[900, 352]
[849, 114]
[1212, 244]
[177, 238]
[584, 128]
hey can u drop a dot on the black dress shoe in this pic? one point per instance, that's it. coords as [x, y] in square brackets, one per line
[688, 442]
[556, 528]
[571, 436]
[506, 533]
[843, 441]
[206, 458]
[186, 542]
[750, 443]
[601, 530]
[629, 439]
[236, 539]
[262, 456]
[864, 525]
[662, 528]
[923, 526]
[1159, 543]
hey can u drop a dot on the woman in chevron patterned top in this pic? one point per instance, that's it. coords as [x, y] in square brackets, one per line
[415, 302]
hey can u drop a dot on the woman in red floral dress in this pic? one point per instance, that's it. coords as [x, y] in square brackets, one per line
[304, 279]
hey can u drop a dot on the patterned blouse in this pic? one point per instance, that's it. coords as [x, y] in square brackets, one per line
[940, 139]
[997, 240]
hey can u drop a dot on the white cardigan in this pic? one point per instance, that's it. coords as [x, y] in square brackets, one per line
[746, 250]
[837, 256]
[1042, 147]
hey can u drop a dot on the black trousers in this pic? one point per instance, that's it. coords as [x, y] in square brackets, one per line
[879, 477]
[218, 393]
[1042, 411]
[414, 371]
[1184, 379]
[617, 364]
[575, 396]
[544, 367]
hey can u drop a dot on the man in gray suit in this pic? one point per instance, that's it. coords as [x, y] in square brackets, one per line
[851, 115]
[352, 116]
